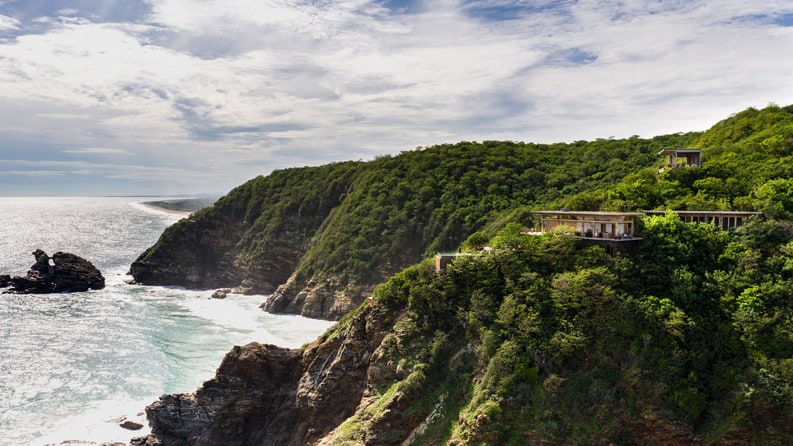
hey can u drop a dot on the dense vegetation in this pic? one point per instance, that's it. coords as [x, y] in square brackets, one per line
[400, 209]
[352, 223]
[183, 204]
[747, 166]
[543, 341]
[345, 227]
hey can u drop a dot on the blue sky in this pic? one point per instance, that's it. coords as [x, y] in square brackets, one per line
[197, 96]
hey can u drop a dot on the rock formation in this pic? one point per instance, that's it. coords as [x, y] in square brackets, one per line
[61, 273]
[252, 239]
[268, 395]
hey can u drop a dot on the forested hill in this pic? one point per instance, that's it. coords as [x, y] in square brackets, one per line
[747, 165]
[541, 340]
[322, 237]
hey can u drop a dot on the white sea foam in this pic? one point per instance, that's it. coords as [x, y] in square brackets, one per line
[73, 364]
[99, 423]
[171, 216]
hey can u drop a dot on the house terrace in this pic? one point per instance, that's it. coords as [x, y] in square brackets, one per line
[724, 219]
[590, 224]
[615, 232]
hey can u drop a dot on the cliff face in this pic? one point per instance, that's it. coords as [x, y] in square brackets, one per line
[253, 237]
[326, 299]
[200, 254]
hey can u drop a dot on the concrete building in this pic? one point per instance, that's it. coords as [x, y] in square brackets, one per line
[677, 158]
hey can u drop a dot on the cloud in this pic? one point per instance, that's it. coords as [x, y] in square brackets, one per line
[8, 23]
[203, 92]
[98, 151]
[34, 173]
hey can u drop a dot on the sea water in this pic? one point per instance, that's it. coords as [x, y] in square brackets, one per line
[72, 366]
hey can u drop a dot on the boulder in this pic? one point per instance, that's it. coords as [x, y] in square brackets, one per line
[221, 293]
[61, 273]
[131, 425]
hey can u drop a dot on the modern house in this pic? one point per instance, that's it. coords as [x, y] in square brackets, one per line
[677, 158]
[614, 231]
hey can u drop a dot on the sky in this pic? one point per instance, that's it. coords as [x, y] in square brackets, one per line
[146, 97]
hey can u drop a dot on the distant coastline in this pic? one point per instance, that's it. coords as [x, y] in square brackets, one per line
[180, 206]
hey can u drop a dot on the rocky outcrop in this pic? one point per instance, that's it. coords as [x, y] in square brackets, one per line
[253, 238]
[267, 395]
[200, 254]
[319, 299]
[62, 273]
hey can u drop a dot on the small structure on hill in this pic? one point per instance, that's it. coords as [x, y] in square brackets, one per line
[443, 259]
[614, 231]
[677, 158]
[724, 219]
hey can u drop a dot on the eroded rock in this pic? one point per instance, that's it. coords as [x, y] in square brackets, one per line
[61, 273]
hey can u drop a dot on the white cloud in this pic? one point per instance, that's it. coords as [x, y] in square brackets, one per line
[8, 23]
[34, 173]
[223, 92]
[98, 151]
[67, 11]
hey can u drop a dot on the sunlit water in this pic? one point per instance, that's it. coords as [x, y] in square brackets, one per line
[72, 365]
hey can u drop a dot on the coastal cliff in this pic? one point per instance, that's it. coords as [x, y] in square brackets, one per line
[263, 394]
[540, 342]
[321, 238]
[253, 237]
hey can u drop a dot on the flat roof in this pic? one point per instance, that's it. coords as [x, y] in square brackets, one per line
[665, 152]
[736, 213]
[590, 213]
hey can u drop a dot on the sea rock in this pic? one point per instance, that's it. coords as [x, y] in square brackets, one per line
[221, 293]
[61, 273]
[131, 425]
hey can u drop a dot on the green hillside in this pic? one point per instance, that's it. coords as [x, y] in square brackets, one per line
[540, 340]
[333, 232]
[322, 237]
[747, 166]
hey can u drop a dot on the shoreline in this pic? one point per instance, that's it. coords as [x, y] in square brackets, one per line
[155, 207]
[179, 206]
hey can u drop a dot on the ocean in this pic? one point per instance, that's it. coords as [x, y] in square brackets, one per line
[72, 366]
